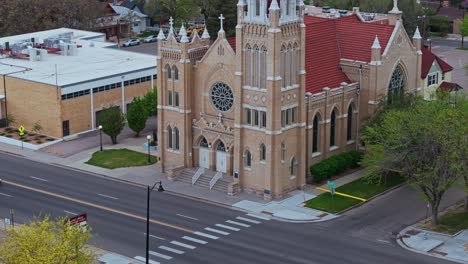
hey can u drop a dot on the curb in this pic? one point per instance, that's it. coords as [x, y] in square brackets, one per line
[401, 243]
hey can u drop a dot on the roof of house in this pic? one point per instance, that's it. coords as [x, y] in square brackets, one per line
[124, 12]
[451, 13]
[428, 59]
[450, 86]
[132, 3]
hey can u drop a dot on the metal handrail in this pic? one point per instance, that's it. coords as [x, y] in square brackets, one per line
[217, 176]
[197, 175]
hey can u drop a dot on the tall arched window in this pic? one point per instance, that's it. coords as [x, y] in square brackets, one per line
[169, 137]
[221, 147]
[256, 65]
[176, 72]
[333, 129]
[262, 152]
[287, 6]
[294, 65]
[315, 134]
[248, 159]
[288, 67]
[292, 166]
[349, 127]
[203, 143]
[248, 66]
[176, 138]
[257, 7]
[282, 66]
[263, 67]
[397, 84]
[283, 151]
[168, 70]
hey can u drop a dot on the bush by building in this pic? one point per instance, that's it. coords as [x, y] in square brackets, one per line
[329, 167]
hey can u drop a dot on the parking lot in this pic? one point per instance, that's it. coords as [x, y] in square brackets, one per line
[147, 48]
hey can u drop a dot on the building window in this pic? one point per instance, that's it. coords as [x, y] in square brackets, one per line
[315, 134]
[169, 98]
[257, 7]
[263, 67]
[248, 66]
[294, 65]
[176, 72]
[256, 117]
[397, 84]
[282, 66]
[168, 70]
[256, 65]
[248, 116]
[221, 147]
[433, 78]
[293, 115]
[169, 137]
[248, 159]
[264, 119]
[292, 167]
[176, 138]
[283, 118]
[203, 143]
[288, 67]
[262, 152]
[176, 99]
[349, 130]
[283, 151]
[333, 129]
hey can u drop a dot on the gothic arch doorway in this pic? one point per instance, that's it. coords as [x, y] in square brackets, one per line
[221, 157]
[204, 154]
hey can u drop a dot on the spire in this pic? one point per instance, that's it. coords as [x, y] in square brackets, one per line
[376, 44]
[171, 29]
[274, 5]
[417, 34]
[395, 9]
[161, 35]
[183, 35]
[221, 19]
[205, 34]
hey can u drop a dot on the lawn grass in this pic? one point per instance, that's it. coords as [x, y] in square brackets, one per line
[359, 188]
[453, 221]
[119, 158]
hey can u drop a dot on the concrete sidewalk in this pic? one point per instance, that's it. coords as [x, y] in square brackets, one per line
[454, 248]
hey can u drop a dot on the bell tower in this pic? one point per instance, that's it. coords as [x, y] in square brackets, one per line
[270, 121]
[177, 54]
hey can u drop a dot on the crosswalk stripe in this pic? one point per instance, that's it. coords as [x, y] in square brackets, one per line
[205, 235]
[160, 255]
[171, 250]
[259, 217]
[144, 260]
[216, 231]
[228, 227]
[182, 245]
[248, 220]
[194, 240]
[237, 223]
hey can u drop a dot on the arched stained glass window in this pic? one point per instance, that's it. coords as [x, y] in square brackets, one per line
[333, 129]
[397, 84]
[262, 152]
[203, 143]
[315, 134]
[169, 137]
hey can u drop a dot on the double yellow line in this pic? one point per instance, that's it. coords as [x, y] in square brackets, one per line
[96, 206]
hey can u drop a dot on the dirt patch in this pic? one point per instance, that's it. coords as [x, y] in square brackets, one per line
[28, 137]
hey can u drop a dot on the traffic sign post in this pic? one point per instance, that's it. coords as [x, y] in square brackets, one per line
[332, 186]
[21, 133]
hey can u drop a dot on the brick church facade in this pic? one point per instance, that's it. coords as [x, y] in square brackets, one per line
[289, 90]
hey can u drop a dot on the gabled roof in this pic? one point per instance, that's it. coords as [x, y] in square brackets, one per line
[449, 86]
[451, 13]
[232, 42]
[428, 59]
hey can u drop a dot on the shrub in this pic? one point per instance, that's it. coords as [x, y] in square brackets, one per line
[39, 142]
[356, 158]
[9, 136]
[335, 164]
[27, 140]
[320, 171]
[439, 24]
[42, 136]
[50, 139]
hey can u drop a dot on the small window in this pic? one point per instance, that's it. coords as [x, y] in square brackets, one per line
[107, 87]
[132, 82]
[264, 119]
[169, 98]
[119, 84]
[69, 96]
[248, 116]
[176, 95]
[176, 73]
[64, 97]
[292, 167]
[283, 151]
[138, 80]
[101, 89]
[126, 83]
[288, 117]
[283, 118]
[168, 70]
[177, 139]
[95, 90]
[169, 137]
[293, 115]
[262, 152]
[86, 92]
[148, 78]
[256, 121]
[432, 79]
[248, 159]
[113, 86]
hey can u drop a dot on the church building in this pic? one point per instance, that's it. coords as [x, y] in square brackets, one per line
[254, 112]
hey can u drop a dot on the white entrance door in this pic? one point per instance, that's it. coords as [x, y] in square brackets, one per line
[204, 159]
[221, 161]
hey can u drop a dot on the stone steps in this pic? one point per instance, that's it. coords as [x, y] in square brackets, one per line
[204, 180]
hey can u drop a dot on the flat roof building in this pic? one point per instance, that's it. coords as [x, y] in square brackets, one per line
[62, 78]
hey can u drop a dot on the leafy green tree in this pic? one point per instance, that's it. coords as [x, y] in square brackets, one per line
[137, 114]
[464, 30]
[46, 242]
[180, 10]
[439, 24]
[212, 9]
[151, 102]
[112, 121]
[425, 142]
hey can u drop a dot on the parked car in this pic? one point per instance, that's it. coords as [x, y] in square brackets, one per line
[151, 38]
[131, 42]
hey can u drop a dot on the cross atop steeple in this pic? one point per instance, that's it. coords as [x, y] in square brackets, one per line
[395, 9]
[171, 22]
[221, 19]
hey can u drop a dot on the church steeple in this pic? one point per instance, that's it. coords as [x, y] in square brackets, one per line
[395, 9]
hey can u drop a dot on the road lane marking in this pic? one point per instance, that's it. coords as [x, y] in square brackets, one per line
[199, 241]
[383, 241]
[107, 196]
[189, 217]
[143, 218]
[144, 259]
[154, 236]
[183, 245]
[237, 223]
[70, 213]
[259, 217]
[248, 220]
[7, 195]
[39, 179]
[205, 235]
[172, 250]
[228, 227]
[159, 255]
[216, 231]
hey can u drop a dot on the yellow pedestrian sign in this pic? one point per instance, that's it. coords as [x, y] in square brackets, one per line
[21, 130]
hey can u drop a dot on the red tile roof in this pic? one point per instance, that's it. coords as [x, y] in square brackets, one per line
[428, 58]
[449, 86]
[232, 42]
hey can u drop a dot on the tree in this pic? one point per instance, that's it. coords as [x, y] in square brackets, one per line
[137, 114]
[464, 30]
[37, 127]
[151, 102]
[47, 242]
[212, 9]
[180, 10]
[46, 14]
[426, 142]
[439, 24]
[112, 121]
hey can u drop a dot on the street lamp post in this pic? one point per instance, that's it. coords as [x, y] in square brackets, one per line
[149, 142]
[100, 136]
[160, 189]
[430, 44]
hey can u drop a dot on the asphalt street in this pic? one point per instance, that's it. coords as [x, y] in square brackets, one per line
[184, 230]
